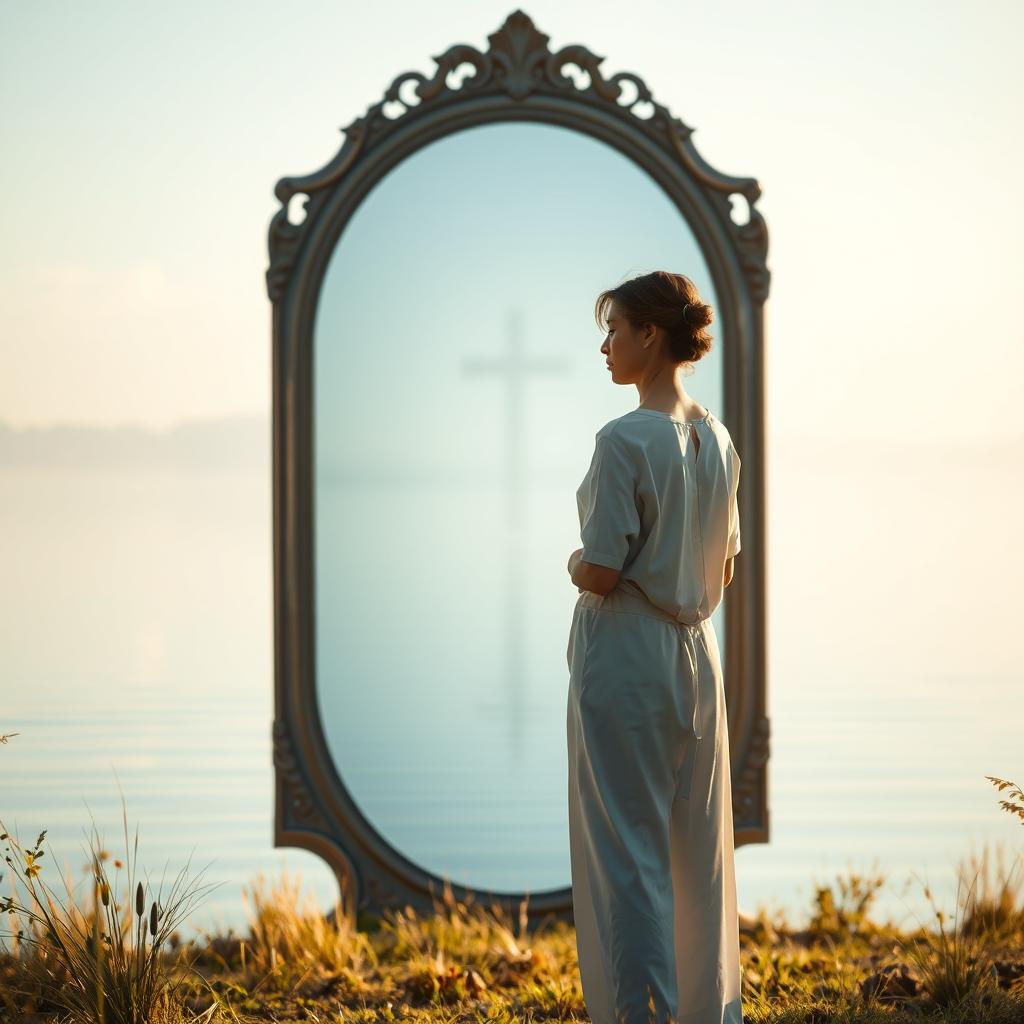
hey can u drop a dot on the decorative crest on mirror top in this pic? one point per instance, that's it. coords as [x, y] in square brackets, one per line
[519, 65]
[518, 78]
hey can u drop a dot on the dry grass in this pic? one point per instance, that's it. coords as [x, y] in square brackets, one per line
[121, 962]
[99, 958]
[470, 964]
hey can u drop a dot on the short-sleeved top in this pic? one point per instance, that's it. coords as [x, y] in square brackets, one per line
[662, 512]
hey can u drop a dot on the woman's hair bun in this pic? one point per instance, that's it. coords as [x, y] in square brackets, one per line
[696, 314]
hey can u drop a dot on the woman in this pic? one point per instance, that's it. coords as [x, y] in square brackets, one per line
[650, 801]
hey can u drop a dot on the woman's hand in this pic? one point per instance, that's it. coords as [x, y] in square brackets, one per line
[598, 579]
[574, 560]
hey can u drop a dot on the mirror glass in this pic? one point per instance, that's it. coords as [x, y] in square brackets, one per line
[458, 386]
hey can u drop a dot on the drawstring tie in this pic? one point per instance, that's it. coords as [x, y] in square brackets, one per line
[688, 633]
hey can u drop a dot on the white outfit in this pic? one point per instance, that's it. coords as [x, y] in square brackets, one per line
[650, 798]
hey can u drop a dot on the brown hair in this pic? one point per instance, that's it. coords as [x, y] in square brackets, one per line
[662, 298]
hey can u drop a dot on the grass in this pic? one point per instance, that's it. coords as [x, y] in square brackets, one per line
[119, 959]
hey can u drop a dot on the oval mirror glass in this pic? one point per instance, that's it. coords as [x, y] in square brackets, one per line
[458, 386]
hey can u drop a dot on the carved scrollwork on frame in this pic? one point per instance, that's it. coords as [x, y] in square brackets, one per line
[747, 790]
[519, 64]
[301, 808]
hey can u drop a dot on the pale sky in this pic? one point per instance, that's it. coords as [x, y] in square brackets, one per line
[144, 141]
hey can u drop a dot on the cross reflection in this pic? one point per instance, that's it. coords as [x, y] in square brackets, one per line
[515, 367]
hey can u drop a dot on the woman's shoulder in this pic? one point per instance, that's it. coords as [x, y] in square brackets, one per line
[721, 431]
[620, 431]
[634, 438]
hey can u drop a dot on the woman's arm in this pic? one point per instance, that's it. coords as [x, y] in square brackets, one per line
[598, 579]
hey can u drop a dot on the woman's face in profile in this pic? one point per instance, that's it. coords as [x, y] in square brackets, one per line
[622, 348]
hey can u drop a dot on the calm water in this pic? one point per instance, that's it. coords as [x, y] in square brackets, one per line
[136, 624]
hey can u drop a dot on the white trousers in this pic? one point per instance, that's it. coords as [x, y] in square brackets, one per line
[650, 816]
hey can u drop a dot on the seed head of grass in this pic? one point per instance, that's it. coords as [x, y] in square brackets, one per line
[84, 956]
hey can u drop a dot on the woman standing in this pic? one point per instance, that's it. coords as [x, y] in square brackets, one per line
[650, 799]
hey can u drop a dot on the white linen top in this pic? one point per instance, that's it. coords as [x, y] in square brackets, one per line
[661, 511]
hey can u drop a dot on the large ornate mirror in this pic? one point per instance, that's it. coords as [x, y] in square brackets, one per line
[437, 387]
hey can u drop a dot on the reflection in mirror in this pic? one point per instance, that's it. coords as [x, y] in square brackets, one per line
[458, 386]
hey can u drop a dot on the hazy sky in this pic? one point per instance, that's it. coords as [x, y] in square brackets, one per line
[144, 141]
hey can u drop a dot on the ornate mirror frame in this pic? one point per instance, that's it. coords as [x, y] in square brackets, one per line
[517, 79]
